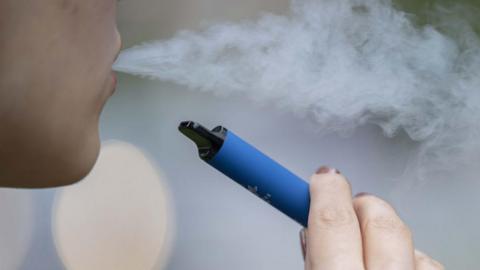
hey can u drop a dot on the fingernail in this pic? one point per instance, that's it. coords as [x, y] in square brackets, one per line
[326, 169]
[361, 194]
[303, 242]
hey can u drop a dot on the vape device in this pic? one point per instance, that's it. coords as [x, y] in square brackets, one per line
[252, 169]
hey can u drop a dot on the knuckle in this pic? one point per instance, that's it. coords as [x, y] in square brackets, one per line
[388, 224]
[332, 217]
[430, 264]
[380, 216]
[337, 262]
[427, 262]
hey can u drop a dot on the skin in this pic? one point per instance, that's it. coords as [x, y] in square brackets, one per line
[55, 77]
[359, 233]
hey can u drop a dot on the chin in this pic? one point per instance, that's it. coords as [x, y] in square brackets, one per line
[66, 164]
[78, 165]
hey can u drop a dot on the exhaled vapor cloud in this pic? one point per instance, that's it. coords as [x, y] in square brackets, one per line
[344, 63]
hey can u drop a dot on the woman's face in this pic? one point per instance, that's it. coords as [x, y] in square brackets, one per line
[55, 77]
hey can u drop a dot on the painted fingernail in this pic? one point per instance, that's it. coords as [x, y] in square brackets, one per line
[303, 242]
[361, 194]
[326, 169]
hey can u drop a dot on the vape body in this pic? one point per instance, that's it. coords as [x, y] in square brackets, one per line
[252, 169]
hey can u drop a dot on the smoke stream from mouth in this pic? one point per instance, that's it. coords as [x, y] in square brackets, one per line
[344, 63]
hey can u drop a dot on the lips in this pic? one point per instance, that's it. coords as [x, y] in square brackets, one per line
[114, 75]
[114, 83]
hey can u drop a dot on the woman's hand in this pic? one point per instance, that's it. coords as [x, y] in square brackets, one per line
[356, 234]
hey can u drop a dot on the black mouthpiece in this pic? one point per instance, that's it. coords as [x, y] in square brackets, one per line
[208, 141]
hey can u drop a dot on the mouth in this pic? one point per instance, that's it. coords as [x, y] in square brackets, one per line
[113, 74]
[114, 83]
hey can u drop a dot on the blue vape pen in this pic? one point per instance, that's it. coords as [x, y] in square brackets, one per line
[252, 169]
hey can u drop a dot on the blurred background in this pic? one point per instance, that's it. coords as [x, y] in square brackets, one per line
[152, 204]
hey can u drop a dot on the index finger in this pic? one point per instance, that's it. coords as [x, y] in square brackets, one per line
[334, 239]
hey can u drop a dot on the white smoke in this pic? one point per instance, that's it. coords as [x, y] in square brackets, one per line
[344, 63]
